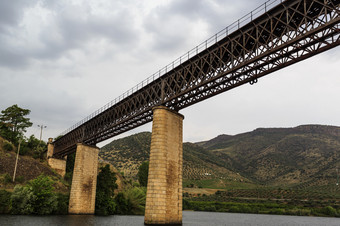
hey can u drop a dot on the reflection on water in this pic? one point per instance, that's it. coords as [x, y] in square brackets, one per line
[189, 219]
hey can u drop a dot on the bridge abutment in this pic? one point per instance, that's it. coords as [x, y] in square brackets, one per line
[84, 181]
[59, 165]
[164, 189]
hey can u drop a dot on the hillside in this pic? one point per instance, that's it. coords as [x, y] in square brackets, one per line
[277, 156]
[28, 168]
[281, 156]
[128, 153]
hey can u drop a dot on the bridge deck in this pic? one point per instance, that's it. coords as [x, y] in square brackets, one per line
[287, 33]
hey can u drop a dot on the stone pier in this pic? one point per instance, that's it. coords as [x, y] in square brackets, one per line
[164, 190]
[84, 181]
[59, 165]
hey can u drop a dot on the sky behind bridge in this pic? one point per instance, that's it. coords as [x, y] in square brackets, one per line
[65, 59]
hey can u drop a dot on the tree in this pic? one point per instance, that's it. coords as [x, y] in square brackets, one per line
[143, 173]
[106, 184]
[13, 122]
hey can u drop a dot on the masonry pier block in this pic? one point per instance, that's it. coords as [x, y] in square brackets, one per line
[164, 189]
[59, 165]
[84, 181]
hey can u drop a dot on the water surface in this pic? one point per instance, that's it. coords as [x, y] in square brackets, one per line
[189, 219]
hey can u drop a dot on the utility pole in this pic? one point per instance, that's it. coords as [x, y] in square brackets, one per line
[16, 161]
[41, 129]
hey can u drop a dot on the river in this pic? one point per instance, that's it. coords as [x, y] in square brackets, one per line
[189, 218]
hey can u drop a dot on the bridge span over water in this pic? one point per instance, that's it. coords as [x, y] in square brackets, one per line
[273, 36]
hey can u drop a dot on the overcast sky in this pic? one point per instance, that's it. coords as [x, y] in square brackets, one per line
[65, 59]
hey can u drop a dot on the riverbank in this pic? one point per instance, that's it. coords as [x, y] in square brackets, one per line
[261, 208]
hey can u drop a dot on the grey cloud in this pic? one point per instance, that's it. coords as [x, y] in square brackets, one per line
[66, 31]
[11, 12]
[171, 24]
[10, 58]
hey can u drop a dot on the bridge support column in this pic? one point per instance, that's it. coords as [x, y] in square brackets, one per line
[84, 181]
[164, 190]
[59, 165]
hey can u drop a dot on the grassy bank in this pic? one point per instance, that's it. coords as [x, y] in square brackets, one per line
[260, 208]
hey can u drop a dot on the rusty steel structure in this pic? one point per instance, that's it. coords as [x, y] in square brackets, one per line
[284, 33]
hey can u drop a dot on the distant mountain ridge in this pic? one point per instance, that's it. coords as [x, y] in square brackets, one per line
[303, 154]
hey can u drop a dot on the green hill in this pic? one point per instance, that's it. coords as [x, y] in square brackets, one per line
[128, 153]
[301, 156]
[281, 156]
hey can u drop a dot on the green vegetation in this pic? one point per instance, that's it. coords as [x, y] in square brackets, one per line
[272, 171]
[5, 201]
[69, 167]
[36, 197]
[131, 201]
[143, 173]
[218, 184]
[106, 184]
[260, 208]
[13, 123]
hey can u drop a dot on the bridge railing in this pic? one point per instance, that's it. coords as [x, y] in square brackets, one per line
[191, 53]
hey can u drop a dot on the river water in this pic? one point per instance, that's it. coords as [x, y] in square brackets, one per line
[189, 218]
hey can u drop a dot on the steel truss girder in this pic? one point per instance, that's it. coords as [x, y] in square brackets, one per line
[292, 31]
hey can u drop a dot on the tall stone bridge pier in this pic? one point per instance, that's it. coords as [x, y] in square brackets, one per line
[273, 36]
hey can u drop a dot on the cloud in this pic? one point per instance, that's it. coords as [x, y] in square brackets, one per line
[11, 12]
[41, 33]
[65, 59]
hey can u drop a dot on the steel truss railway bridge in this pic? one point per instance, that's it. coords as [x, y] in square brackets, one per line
[273, 36]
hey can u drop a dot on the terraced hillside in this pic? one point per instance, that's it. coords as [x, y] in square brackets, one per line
[128, 153]
[304, 156]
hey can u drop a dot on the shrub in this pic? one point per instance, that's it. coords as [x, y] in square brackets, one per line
[7, 179]
[37, 197]
[63, 200]
[329, 211]
[136, 200]
[8, 146]
[186, 204]
[122, 204]
[22, 200]
[24, 150]
[46, 200]
[5, 201]
[68, 177]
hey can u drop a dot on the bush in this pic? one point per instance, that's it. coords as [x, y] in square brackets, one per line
[63, 201]
[22, 200]
[37, 197]
[122, 204]
[329, 211]
[7, 179]
[5, 201]
[68, 177]
[46, 200]
[8, 146]
[24, 150]
[136, 200]
[186, 205]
